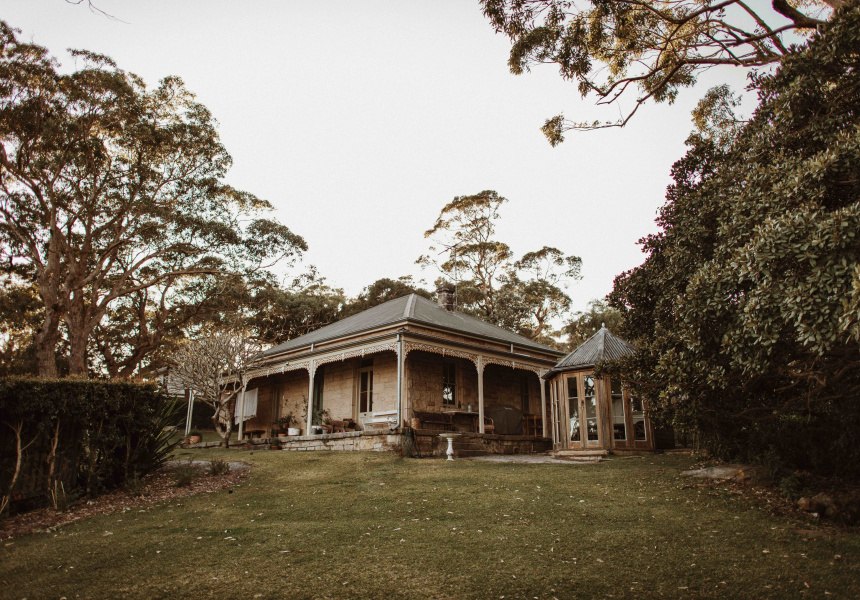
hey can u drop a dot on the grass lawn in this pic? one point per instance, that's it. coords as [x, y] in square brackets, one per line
[370, 525]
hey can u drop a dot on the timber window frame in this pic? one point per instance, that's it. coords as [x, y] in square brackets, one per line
[572, 395]
[364, 387]
[617, 405]
[637, 415]
[449, 384]
[525, 396]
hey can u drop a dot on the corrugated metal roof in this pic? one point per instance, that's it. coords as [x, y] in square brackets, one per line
[603, 345]
[413, 309]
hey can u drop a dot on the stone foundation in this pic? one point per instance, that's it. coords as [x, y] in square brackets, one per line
[428, 440]
[476, 444]
[376, 441]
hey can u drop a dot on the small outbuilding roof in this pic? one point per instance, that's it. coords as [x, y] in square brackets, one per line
[603, 345]
[412, 309]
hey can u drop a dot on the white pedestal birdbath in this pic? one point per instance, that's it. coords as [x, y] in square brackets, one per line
[450, 437]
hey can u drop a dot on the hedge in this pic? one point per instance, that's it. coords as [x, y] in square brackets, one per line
[89, 435]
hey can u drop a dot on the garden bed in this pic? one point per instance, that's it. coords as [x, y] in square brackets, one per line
[156, 487]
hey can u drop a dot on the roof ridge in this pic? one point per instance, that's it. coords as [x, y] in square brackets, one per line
[333, 325]
[408, 310]
[601, 343]
[413, 308]
[493, 325]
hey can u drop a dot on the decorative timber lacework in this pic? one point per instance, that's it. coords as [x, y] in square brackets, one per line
[306, 364]
[489, 360]
[360, 352]
[282, 368]
[410, 346]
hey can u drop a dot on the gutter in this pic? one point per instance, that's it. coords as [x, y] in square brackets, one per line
[401, 323]
[401, 334]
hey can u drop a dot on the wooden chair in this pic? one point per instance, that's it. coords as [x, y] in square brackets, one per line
[532, 424]
[489, 426]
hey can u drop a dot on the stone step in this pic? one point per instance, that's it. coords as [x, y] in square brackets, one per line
[595, 452]
[580, 455]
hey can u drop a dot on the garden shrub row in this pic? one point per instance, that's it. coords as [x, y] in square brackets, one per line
[88, 435]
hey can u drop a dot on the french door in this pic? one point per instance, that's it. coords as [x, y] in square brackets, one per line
[364, 395]
[582, 418]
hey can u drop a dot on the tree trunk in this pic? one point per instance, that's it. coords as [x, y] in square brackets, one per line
[81, 323]
[48, 335]
[78, 366]
[224, 432]
[46, 346]
[55, 303]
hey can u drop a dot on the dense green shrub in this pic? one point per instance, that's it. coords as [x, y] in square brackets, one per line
[747, 311]
[90, 435]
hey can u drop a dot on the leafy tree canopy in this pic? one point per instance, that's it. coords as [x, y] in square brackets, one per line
[383, 290]
[112, 195]
[277, 313]
[747, 311]
[521, 295]
[584, 324]
[654, 46]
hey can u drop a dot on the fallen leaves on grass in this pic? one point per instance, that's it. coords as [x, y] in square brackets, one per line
[157, 487]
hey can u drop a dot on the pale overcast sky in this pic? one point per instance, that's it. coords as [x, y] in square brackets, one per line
[358, 121]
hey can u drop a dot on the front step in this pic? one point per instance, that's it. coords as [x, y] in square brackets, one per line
[580, 455]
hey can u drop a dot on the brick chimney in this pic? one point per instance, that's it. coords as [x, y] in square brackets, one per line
[445, 296]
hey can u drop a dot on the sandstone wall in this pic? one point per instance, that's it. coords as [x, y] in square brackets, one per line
[338, 388]
[424, 381]
[356, 440]
[502, 385]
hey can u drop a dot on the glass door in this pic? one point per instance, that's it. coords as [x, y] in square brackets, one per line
[365, 395]
[592, 430]
[574, 424]
[558, 413]
[619, 425]
[640, 432]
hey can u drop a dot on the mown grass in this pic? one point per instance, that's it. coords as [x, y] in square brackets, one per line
[365, 525]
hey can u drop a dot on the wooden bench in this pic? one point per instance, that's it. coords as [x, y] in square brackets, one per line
[342, 425]
[430, 420]
[250, 434]
[385, 419]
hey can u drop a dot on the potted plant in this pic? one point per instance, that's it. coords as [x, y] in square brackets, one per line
[320, 416]
[194, 437]
[287, 422]
[281, 425]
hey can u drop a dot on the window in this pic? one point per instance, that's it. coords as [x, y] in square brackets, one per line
[638, 414]
[573, 409]
[619, 429]
[592, 434]
[365, 387]
[449, 384]
[524, 396]
[318, 390]
[557, 400]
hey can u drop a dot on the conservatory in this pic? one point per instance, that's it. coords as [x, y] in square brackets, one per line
[596, 414]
